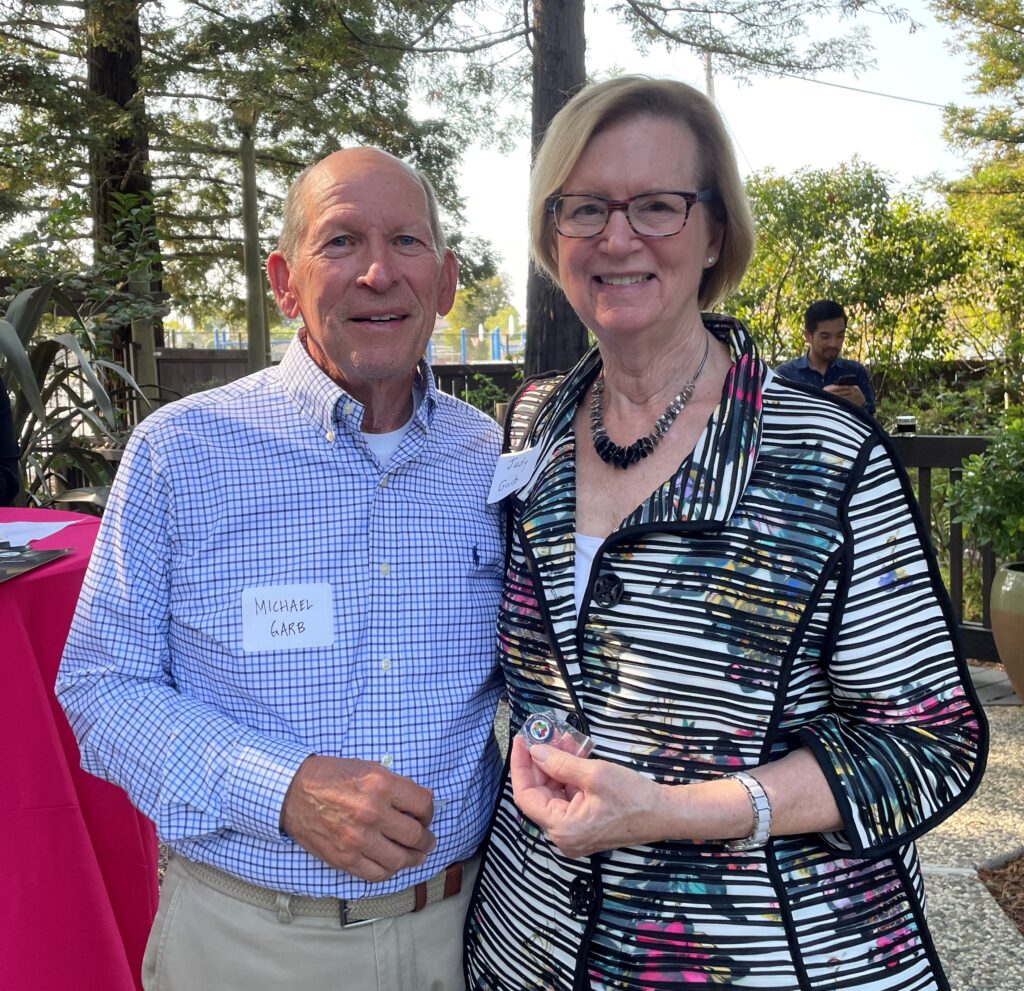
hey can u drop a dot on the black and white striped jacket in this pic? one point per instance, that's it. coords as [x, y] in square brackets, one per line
[777, 591]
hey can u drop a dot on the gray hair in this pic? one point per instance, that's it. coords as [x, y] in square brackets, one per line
[293, 214]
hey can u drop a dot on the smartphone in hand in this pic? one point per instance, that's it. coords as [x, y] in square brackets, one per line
[846, 380]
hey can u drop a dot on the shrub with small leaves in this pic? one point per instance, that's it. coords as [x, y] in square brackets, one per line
[989, 498]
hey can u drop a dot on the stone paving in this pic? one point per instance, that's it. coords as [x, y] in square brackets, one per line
[980, 948]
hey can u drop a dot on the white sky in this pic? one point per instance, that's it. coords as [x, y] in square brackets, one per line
[784, 124]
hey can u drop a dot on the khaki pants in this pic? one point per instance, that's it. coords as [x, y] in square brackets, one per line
[203, 940]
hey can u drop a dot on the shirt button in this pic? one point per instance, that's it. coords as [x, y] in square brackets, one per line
[387, 760]
[385, 664]
[329, 436]
[582, 897]
[608, 590]
[383, 483]
[347, 409]
[385, 568]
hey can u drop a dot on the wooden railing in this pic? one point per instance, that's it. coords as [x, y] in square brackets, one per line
[923, 456]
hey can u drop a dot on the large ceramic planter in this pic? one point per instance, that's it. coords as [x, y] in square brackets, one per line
[1007, 606]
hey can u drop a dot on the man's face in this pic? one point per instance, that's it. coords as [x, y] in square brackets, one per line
[825, 342]
[365, 277]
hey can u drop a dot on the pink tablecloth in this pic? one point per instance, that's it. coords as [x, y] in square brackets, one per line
[78, 885]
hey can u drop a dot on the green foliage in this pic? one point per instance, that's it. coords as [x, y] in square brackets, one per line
[943, 408]
[990, 31]
[989, 498]
[303, 79]
[842, 234]
[487, 303]
[989, 202]
[484, 393]
[63, 411]
[758, 38]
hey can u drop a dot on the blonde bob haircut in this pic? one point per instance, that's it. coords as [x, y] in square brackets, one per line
[602, 105]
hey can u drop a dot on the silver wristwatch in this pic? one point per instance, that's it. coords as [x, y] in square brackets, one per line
[762, 814]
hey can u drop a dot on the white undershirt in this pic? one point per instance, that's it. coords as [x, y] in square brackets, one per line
[586, 549]
[384, 445]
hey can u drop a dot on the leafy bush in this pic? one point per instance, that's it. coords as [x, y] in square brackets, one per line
[989, 498]
[485, 393]
[63, 412]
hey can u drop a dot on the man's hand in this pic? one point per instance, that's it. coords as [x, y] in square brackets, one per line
[358, 817]
[851, 393]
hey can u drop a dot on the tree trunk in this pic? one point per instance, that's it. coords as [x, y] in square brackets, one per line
[555, 337]
[258, 334]
[118, 161]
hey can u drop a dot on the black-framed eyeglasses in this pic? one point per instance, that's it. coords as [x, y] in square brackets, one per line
[657, 214]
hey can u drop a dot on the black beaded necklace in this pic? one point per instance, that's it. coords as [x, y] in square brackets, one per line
[622, 457]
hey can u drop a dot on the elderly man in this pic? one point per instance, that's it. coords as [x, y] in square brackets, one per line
[284, 650]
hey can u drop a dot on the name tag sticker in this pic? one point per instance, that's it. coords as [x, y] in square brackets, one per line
[512, 472]
[287, 617]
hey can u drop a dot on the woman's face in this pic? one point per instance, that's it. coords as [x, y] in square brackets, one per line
[622, 284]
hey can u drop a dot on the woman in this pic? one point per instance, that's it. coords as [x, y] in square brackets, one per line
[712, 571]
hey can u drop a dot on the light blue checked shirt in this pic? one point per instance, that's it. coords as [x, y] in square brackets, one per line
[177, 689]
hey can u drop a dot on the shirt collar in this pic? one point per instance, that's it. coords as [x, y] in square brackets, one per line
[327, 405]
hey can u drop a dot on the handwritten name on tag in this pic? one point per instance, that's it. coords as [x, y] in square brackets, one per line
[512, 472]
[287, 617]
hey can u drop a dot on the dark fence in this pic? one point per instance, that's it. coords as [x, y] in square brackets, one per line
[458, 380]
[927, 457]
[184, 370]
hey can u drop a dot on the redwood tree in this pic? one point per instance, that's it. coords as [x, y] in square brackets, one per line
[555, 336]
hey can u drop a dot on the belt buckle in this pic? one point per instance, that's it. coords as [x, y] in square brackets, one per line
[343, 906]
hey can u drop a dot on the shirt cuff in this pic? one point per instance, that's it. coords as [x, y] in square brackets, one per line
[261, 771]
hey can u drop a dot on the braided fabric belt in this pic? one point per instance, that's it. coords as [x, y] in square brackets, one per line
[444, 884]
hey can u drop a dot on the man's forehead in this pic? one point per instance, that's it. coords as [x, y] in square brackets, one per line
[363, 177]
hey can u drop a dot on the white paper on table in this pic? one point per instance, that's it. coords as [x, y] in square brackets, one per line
[21, 534]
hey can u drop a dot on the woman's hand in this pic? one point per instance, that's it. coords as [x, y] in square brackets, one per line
[585, 805]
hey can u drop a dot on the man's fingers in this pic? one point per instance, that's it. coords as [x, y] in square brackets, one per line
[359, 817]
[407, 832]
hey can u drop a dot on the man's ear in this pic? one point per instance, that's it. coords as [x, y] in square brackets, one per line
[280, 276]
[448, 282]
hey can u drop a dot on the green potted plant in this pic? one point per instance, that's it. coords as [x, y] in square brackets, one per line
[989, 501]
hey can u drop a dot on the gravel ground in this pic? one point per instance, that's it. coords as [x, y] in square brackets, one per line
[980, 947]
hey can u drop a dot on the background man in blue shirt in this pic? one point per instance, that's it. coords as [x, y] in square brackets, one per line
[284, 649]
[821, 366]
